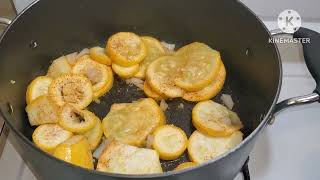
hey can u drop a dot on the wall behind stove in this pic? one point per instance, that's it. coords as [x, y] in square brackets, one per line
[269, 9]
[265, 9]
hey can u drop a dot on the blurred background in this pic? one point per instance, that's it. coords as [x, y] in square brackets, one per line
[266, 10]
[269, 10]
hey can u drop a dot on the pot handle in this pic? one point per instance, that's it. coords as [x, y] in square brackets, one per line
[311, 52]
[312, 57]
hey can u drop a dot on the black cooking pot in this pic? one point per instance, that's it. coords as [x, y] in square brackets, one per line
[50, 28]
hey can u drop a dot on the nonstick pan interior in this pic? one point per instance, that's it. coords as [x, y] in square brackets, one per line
[178, 112]
[122, 92]
[175, 114]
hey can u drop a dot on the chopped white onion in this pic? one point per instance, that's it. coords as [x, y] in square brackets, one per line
[163, 105]
[93, 74]
[100, 148]
[135, 81]
[71, 58]
[180, 106]
[83, 52]
[97, 101]
[169, 46]
[149, 141]
[227, 100]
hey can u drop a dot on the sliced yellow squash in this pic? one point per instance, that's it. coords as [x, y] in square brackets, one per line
[209, 91]
[161, 75]
[125, 72]
[126, 49]
[94, 135]
[154, 51]
[98, 54]
[48, 136]
[108, 85]
[98, 74]
[42, 111]
[75, 151]
[125, 159]
[169, 141]
[151, 93]
[131, 123]
[38, 87]
[203, 64]
[76, 120]
[215, 119]
[202, 148]
[74, 89]
[185, 165]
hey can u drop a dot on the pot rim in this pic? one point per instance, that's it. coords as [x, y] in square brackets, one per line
[169, 173]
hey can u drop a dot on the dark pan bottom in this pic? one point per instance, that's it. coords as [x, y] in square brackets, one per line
[175, 114]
